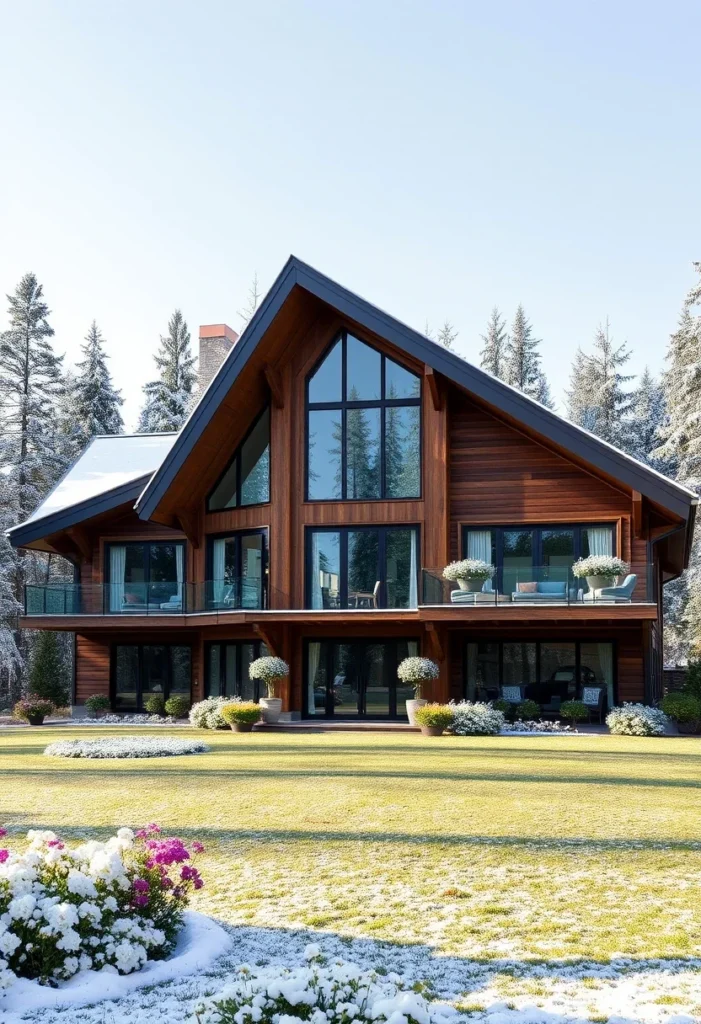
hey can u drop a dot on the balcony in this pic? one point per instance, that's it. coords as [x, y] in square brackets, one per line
[544, 586]
[151, 599]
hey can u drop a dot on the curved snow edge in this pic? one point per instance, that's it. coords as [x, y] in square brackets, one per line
[200, 943]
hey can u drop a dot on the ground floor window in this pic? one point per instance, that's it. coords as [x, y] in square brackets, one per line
[356, 678]
[139, 670]
[551, 670]
[227, 669]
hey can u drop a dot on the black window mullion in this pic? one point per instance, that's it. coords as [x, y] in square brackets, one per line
[344, 454]
[344, 567]
[382, 567]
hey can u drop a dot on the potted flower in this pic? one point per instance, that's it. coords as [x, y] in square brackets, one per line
[600, 570]
[416, 672]
[469, 573]
[434, 718]
[271, 672]
[574, 711]
[241, 715]
[97, 705]
[33, 710]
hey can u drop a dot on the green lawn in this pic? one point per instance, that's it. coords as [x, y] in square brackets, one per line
[509, 847]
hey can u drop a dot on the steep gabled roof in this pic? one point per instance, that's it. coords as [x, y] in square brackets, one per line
[531, 414]
[113, 469]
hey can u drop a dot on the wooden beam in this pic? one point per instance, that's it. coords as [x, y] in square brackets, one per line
[269, 638]
[638, 530]
[434, 388]
[434, 641]
[189, 525]
[274, 382]
[80, 537]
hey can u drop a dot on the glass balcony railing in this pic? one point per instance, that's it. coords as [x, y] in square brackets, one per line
[163, 598]
[541, 585]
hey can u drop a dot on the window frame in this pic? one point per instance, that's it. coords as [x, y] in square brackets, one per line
[345, 405]
[344, 530]
[238, 645]
[577, 641]
[237, 536]
[236, 458]
[140, 688]
[147, 544]
[536, 530]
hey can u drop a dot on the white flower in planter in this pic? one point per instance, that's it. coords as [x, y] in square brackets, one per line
[469, 569]
[600, 565]
[416, 672]
[269, 670]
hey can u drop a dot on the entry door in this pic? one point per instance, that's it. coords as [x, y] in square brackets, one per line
[356, 679]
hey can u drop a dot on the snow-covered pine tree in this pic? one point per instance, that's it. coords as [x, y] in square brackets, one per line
[605, 385]
[647, 414]
[95, 400]
[681, 450]
[493, 354]
[521, 367]
[447, 335]
[580, 407]
[168, 398]
[30, 456]
[252, 302]
[428, 331]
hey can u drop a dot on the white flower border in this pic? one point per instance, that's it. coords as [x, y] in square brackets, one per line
[113, 747]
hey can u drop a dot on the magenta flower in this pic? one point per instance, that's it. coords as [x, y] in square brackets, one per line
[166, 882]
[140, 901]
[197, 847]
[4, 854]
[140, 885]
[3, 833]
[57, 844]
[148, 830]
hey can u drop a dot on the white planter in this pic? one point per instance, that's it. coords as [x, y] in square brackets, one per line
[597, 582]
[473, 586]
[412, 707]
[272, 706]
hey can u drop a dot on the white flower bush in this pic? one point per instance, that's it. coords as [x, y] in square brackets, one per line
[417, 670]
[320, 992]
[600, 565]
[541, 726]
[476, 719]
[269, 671]
[103, 905]
[637, 720]
[469, 569]
[206, 714]
[125, 746]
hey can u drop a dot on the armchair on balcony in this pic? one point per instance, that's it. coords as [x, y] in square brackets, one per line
[173, 604]
[623, 592]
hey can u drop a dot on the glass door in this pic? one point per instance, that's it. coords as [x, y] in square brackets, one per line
[356, 679]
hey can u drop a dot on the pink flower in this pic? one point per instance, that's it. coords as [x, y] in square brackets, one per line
[4, 854]
[148, 830]
[140, 901]
[56, 843]
[197, 847]
[166, 883]
[140, 885]
[3, 833]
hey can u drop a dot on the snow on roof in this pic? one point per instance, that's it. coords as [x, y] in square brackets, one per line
[109, 461]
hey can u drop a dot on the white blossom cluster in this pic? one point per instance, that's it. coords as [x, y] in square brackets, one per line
[476, 719]
[319, 993]
[268, 668]
[469, 569]
[637, 720]
[62, 911]
[206, 714]
[125, 746]
[129, 720]
[541, 726]
[600, 565]
[417, 670]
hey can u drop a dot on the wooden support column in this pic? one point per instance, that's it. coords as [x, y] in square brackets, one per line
[638, 525]
[436, 645]
[435, 543]
[274, 382]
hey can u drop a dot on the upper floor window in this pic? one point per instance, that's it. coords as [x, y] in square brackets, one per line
[145, 576]
[363, 567]
[363, 426]
[246, 480]
[236, 570]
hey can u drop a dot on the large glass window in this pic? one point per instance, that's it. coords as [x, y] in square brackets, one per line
[363, 426]
[145, 576]
[363, 567]
[246, 480]
[527, 555]
[551, 670]
[356, 678]
[140, 670]
[227, 667]
[236, 570]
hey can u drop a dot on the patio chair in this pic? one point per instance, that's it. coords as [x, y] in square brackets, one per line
[593, 700]
[623, 592]
[513, 694]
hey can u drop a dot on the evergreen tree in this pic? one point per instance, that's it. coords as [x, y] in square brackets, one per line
[522, 367]
[428, 331]
[167, 399]
[493, 354]
[95, 400]
[252, 302]
[603, 388]
[447, 335]
[646, 419]
[681, 450]
[581, 408]
[30, 457]
[49, 673]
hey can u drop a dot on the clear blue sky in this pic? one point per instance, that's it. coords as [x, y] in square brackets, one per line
[438, 158]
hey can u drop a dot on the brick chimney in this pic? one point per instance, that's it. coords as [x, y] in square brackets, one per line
[216, 341]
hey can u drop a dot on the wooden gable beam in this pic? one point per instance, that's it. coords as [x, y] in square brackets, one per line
[434, 641]
[434, 388]
[274, 382]
[638, 529]
[189, 525]
[80, 537]
[269, 638]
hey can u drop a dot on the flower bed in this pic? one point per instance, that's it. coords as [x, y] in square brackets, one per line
[536, 727]
[476, 719]
[127, 746]
[637, 720]
[127, 720]
[111, 905]
[318, 992]
[206, 714]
